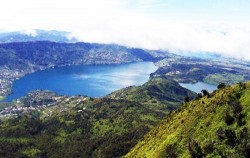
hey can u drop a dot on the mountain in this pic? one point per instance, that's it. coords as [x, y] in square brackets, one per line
[164, 94]
[19, 59]
[215, 125]
[44, 124]
[36, 35]
[212, 71]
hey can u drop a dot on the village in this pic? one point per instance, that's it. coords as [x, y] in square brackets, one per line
[7, 77]
[37, 100]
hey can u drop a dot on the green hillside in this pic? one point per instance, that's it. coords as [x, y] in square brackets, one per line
[102, 127]
[160, 93]
[81, 126]
[217, 125]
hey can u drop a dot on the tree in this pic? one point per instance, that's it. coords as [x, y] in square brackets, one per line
[186, 99]
[205, 92]
[199, 95]
[195, 150]
[171, 151]
[221, 86]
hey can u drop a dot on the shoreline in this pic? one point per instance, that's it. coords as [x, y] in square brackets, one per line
[59, 66]
[2, 98]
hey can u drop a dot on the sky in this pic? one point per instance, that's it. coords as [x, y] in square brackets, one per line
[189, 26]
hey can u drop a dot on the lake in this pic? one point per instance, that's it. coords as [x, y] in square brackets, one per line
[90, 80]
[197, 87]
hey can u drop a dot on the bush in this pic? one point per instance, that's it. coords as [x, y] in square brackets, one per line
[171, 151]
[194, 149]
[208, 148]
[221, 134]
[221, 86]
[153, 101]
[231, 137]
[199, 95]
[186, 99]
[205, 92]
[237, 107]
[229, 119]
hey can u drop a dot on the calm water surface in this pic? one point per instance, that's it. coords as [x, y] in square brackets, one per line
[197, 87]
[90, 80]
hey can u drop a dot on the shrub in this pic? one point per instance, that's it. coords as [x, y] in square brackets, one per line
[240, 120]
[231, 137]
[199, 95]
[208, 148]
[171, 151]
[221, 134]
[194, 149]
[205, 92]
[153, 101]
[229, 119]
[221, 86]
[237, 107]
[186, 99]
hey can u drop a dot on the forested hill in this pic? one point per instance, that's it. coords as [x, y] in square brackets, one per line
[36, 35]
[19, 59]
[44, 124]
[215, 125]
[159, 93]
[45, 53]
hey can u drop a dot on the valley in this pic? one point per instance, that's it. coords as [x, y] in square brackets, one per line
[124, 79]
[20, 59]
[107, 127]
[126, 121]
[90, 80]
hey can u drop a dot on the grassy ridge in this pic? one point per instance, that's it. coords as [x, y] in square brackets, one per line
[214, 126]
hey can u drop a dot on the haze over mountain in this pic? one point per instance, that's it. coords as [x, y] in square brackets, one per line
[216, 26]
[181, 46]
[36, 35]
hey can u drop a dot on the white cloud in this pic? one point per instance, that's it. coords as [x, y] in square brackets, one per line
[114, 21]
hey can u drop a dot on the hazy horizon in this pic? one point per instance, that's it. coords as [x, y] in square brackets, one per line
[218, 26]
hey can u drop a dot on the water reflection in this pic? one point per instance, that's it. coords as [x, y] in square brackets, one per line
[91, 80]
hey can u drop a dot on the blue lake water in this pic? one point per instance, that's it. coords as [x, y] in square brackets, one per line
[90, 80]
[197, 87]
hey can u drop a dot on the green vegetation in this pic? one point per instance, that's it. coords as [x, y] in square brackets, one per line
[2, 98]
[102, 127]
[132, 122]
[192, 70]
[86, 127]
[229, 78]
[217, 125]
[160, 93]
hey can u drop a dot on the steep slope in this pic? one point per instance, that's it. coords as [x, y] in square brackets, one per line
[48, 125]
[213, 126]
[159, 93]
[86, 128]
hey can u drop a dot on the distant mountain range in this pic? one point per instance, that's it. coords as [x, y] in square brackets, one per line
[36, 35]
[157, 119]
[20, 58]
